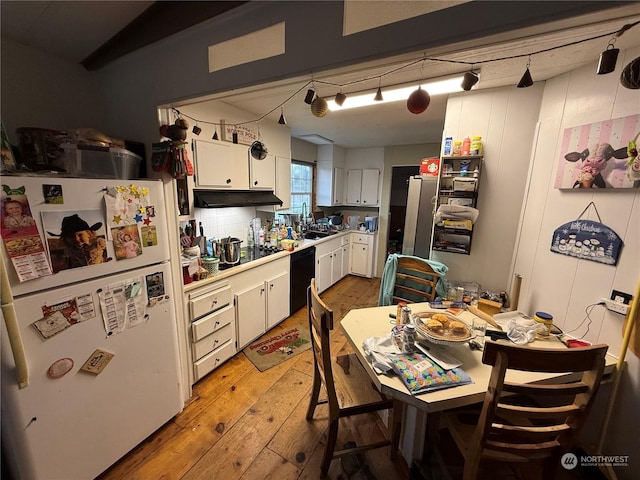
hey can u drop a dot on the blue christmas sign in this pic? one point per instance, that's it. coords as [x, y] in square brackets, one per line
[587, 240]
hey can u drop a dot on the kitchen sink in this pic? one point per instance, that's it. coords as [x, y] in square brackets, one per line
[315, 234]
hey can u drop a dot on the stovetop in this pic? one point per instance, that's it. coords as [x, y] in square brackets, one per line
[249, 254]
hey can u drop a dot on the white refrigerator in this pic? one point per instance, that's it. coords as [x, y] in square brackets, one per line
[90, 362]
[418, 224]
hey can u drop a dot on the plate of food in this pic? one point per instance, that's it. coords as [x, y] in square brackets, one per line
[442, 328]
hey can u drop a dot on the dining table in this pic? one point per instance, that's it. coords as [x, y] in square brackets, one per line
[363, 323]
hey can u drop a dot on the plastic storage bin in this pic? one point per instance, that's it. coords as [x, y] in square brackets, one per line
[99, 163]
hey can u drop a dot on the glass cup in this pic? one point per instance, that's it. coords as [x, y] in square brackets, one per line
[479, 328]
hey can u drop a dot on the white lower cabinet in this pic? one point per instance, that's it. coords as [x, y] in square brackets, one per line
[213, 329]
[277, 299]
[362, 251]
[261, 299]
[330, 262]
[251, 313]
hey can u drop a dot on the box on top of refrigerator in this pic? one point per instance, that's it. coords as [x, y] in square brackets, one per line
[94, 162]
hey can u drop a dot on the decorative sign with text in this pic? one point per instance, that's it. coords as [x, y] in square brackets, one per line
[587, 240]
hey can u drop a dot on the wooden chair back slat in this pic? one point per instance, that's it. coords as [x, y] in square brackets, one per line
[542, 389]
[415, 281]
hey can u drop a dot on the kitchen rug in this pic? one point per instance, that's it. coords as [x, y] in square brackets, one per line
[278, 345]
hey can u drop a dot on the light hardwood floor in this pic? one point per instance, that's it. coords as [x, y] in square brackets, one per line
[245, 424]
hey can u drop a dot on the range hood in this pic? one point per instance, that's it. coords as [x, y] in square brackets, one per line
[234, 198]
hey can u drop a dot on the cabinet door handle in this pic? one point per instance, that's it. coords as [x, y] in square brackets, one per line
[262, 290]
[228, 180]
[364, 201]
[214, 303]
[271, 285]
[215, 342]
[217, 322]
[256, 182]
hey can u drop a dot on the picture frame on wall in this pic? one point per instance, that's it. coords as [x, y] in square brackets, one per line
[600, 155]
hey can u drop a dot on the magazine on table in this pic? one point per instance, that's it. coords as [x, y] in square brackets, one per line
[421, 374]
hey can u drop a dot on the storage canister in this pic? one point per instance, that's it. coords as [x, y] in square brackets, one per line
[211, 264]
[545, 319]
[476, 146]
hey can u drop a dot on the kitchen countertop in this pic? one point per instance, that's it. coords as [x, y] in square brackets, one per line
[222, 274]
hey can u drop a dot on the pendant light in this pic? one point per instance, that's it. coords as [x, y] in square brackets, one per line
[319, 107]
[608, 58]
[378, 97]
[309, 97]
[418, 101]
[526, 80]
[469, 80]
[340, 98]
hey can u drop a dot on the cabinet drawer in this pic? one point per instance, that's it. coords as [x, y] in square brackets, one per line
[209, 302]
[213, 360]
[345, 240]
[360, 238]
[213, 341]
[209, 324]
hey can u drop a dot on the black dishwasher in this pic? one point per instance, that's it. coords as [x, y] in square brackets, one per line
[303, 269]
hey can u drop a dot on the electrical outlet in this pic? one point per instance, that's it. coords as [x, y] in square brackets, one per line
[621, 297]
[616, 307]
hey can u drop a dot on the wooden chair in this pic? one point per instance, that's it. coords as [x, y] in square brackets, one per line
[415, 281]
[348, 387]
[527, 422]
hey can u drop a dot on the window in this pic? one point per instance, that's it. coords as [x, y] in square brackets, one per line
[301, 187]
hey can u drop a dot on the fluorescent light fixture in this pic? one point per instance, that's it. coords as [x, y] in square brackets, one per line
[438, 87]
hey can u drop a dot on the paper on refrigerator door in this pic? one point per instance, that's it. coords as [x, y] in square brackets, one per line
[123, 305]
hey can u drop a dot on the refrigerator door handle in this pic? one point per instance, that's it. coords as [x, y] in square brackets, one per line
[13, 330]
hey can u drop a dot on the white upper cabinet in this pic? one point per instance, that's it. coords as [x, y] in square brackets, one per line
[262, 173]
[221, 165]
[354, 184]
[370, 187]
[363, 187]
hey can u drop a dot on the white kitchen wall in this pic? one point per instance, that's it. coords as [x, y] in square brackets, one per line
[566, 286]
[506, 119]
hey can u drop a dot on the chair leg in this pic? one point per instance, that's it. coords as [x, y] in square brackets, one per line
[332, 438]
[471, 466]
[315, 393]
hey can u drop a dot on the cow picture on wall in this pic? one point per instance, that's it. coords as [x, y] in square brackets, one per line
[600, 155]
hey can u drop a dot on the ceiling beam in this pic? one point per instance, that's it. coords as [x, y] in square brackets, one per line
[162, 19]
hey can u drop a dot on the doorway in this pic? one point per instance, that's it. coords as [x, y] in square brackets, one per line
[398, 206]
